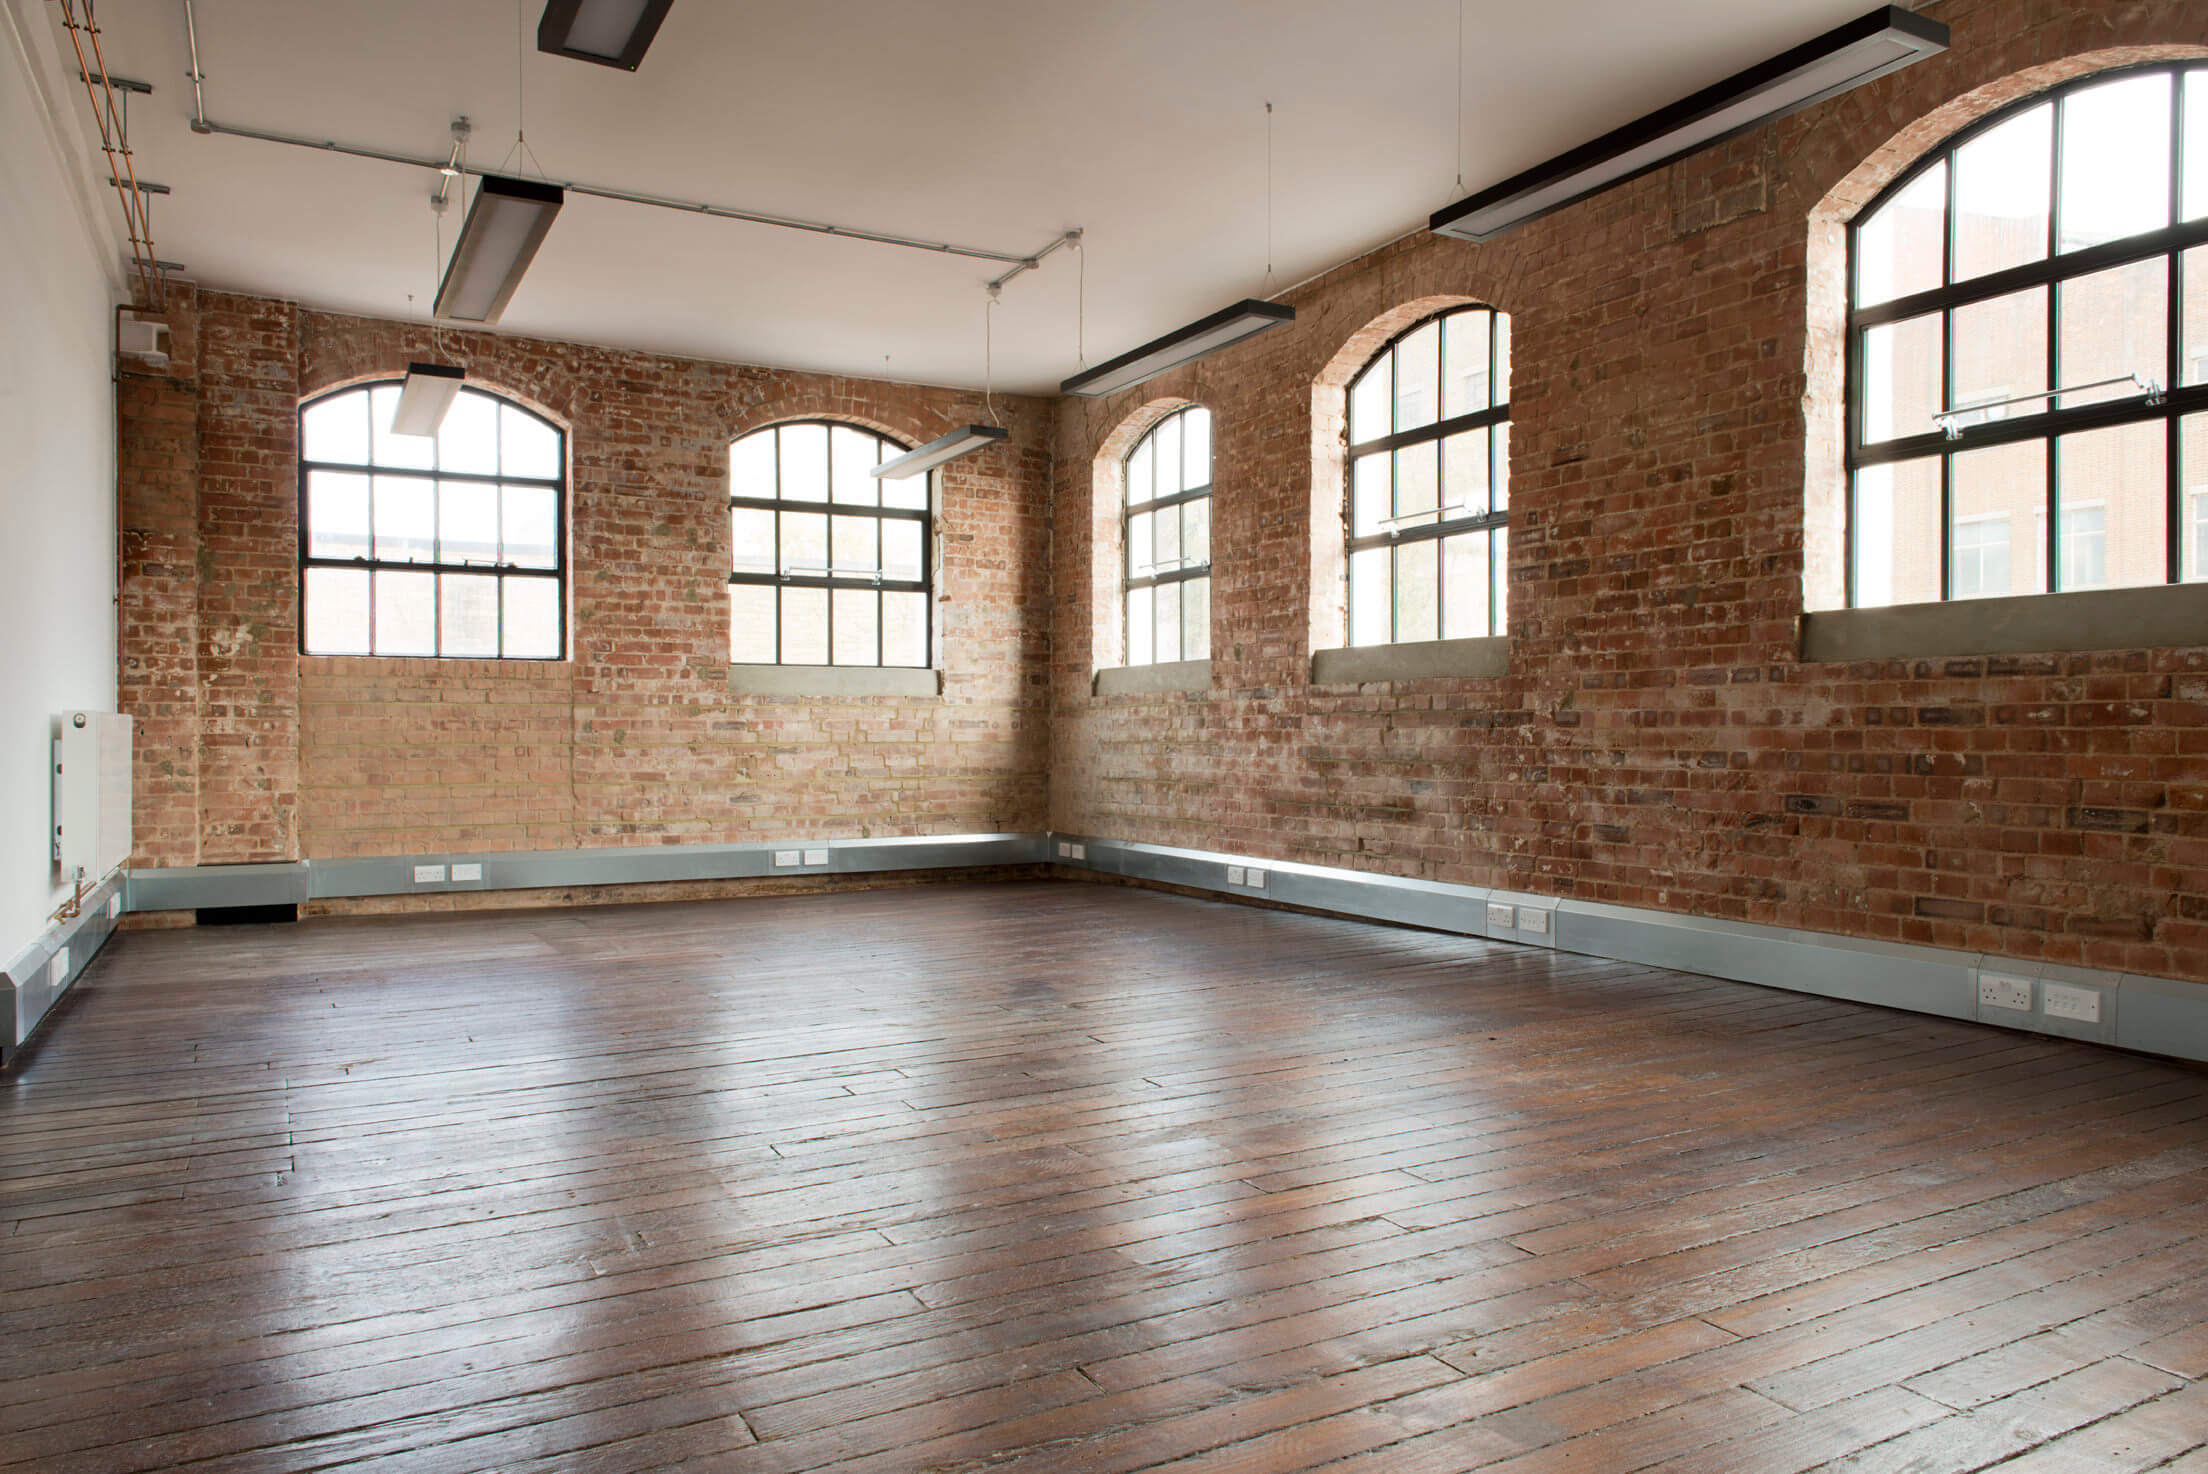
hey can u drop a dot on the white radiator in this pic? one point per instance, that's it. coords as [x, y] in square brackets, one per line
[91, 794]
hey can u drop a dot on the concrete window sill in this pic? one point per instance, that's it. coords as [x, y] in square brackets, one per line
[1153, 680]
[2028, 624]
[832, 681]
[1424, 660]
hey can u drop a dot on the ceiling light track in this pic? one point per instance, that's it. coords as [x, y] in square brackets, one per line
[201, 123]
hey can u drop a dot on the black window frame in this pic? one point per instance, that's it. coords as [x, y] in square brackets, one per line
[2174, 402]
[1395, 537]
[1187, 572]
[832, 509]
[557, 572]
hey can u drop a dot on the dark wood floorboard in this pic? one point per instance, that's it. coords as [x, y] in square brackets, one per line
[1056, 1177]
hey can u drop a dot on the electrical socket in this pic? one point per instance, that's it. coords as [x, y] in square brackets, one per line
[114, 907]
[60, 973]
[1533, 919]
[467, 872]
[1234, 875]
[1256, 878]
[816, 857]
[785, 858]
[1502, 915]
[1065, 850]
[429, 874]
[1997, 990]
[2060, 1000]
[1080, 852]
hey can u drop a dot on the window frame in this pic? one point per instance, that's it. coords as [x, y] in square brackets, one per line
[1395, 538]
[832, 509]
[1129, 509]
[371, 565]
[2050, 425]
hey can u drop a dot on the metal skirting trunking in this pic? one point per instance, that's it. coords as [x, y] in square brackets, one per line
[38, 976]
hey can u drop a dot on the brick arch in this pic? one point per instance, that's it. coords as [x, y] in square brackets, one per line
[839, 409]
[389, 363]
[1824, 488]
[1107, 538]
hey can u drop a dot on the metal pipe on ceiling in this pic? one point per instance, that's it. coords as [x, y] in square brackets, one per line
[1018, 261]
[114, 127]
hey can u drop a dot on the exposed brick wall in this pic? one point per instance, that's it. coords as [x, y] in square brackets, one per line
[636, 738]
[1657, 741]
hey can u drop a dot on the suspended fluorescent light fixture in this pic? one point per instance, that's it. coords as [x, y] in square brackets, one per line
[1863, 50]
[429, 391]
[505, 225]
[612, 33]
[1245, 319]
[965, 440]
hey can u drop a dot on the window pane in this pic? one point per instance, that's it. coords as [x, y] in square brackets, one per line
[1898, 250]
[804, 462]
[1895, 529]
[1168, 597]
[398, 451]
[1196, 531]
[406, 520]
[1464, 603]
[1372, 479]
[337, 611]
[854, 453]
[751, 637]
[1142, 546]
[1418, 591]
[1502, 357]
[467, 523]
[856, 551]
[2001, 352]
[1369, 398]
[2112, 493]
[528, 447]
[2114, 323]
[1196, 446]
[406, 613]
[467, 614]
[468, 439]
[2003, 180]
[2194, 149]
[530, 525]
[804, 626]
[1142, 628]
[1464, 369]
[1196, 619]
[2115, 160]
[805, 543]
[1165, 526]
[336, 429]
[532, 618]
[1464, 462]
[1499, 578]
[337, 515]
[751, 534]
[2192, 481]
[901, 550]
[751, 466]
[1371, 592]
[1417, 378]
[1417, 483]
[1165, 443]
[1502, 466]
[857, 614]
[1142, 481]
[905, 629]
[1997, 545]
[2193, 347]
[909, 492]
[1902, 385]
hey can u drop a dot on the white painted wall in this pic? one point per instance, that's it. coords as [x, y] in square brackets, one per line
[57, 452]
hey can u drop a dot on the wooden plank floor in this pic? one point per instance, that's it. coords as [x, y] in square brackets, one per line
[1049, 1176]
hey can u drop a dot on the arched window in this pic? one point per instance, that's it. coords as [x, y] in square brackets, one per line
[449, 545]
[2028, 352]
[1168, 536]
[1429, 482]
[831, 563]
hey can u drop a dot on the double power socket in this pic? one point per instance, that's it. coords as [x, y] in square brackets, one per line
[2056, 1000]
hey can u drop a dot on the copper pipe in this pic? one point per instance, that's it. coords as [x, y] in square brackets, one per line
[136, 222]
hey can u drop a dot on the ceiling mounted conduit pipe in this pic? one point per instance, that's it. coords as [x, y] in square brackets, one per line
[1019, 261]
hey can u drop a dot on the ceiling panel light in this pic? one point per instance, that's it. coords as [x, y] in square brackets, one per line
[504, 227]
[1245, 319]
[962, 441]
[429, 392]
[612, 33]
[1886, 40]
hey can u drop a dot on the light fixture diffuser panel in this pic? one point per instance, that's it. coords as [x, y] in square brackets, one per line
[505, 225]
[1865, 49]
[612, 33]
[962, 441]
[427, 394]
[1245, 319]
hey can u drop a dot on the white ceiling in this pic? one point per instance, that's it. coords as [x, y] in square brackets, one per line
[994, 123]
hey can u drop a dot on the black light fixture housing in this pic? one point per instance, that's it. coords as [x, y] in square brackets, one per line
[1869, 47]
[505, 225]
[427, 394]
[612, 33]
[1245, 319]
[963, 441]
